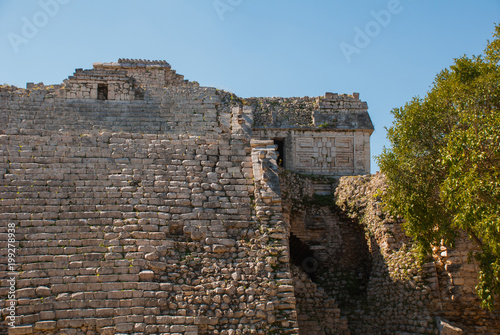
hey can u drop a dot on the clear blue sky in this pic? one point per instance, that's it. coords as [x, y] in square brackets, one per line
[387, 50]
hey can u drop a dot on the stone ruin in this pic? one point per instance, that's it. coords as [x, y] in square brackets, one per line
[143, 203]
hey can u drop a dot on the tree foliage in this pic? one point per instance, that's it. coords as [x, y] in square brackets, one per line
[443, 167]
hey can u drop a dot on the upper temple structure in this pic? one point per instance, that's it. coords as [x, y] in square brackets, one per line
[328, 135]
[136, 202]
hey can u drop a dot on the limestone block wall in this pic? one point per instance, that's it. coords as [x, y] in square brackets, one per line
[144, 203]
[126, 224]
[273, 231]
[329, 111]
[283, 112]
[342, 112]
[181, 110]
[318, 313]
[458, 278]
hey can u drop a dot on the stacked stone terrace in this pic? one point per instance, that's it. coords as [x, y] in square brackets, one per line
[133, 212]
[141, 206]
[146, 204]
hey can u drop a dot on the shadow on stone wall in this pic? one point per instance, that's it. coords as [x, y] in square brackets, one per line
[367, 266]
[405, 293]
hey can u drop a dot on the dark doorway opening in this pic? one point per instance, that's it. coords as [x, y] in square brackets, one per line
[302, 256]
[280, 143]
[102, 92]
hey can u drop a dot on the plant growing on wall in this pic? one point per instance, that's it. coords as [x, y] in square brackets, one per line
[443, 169]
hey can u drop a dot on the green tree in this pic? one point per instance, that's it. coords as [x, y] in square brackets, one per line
[443, 167]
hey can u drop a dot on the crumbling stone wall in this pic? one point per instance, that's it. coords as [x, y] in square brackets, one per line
[125, 224]
[398, 295]
[332, 111]
[362, 259]
[337, 244]
[458, 277]
[403, 293]
[283, 112]
[318, 313]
